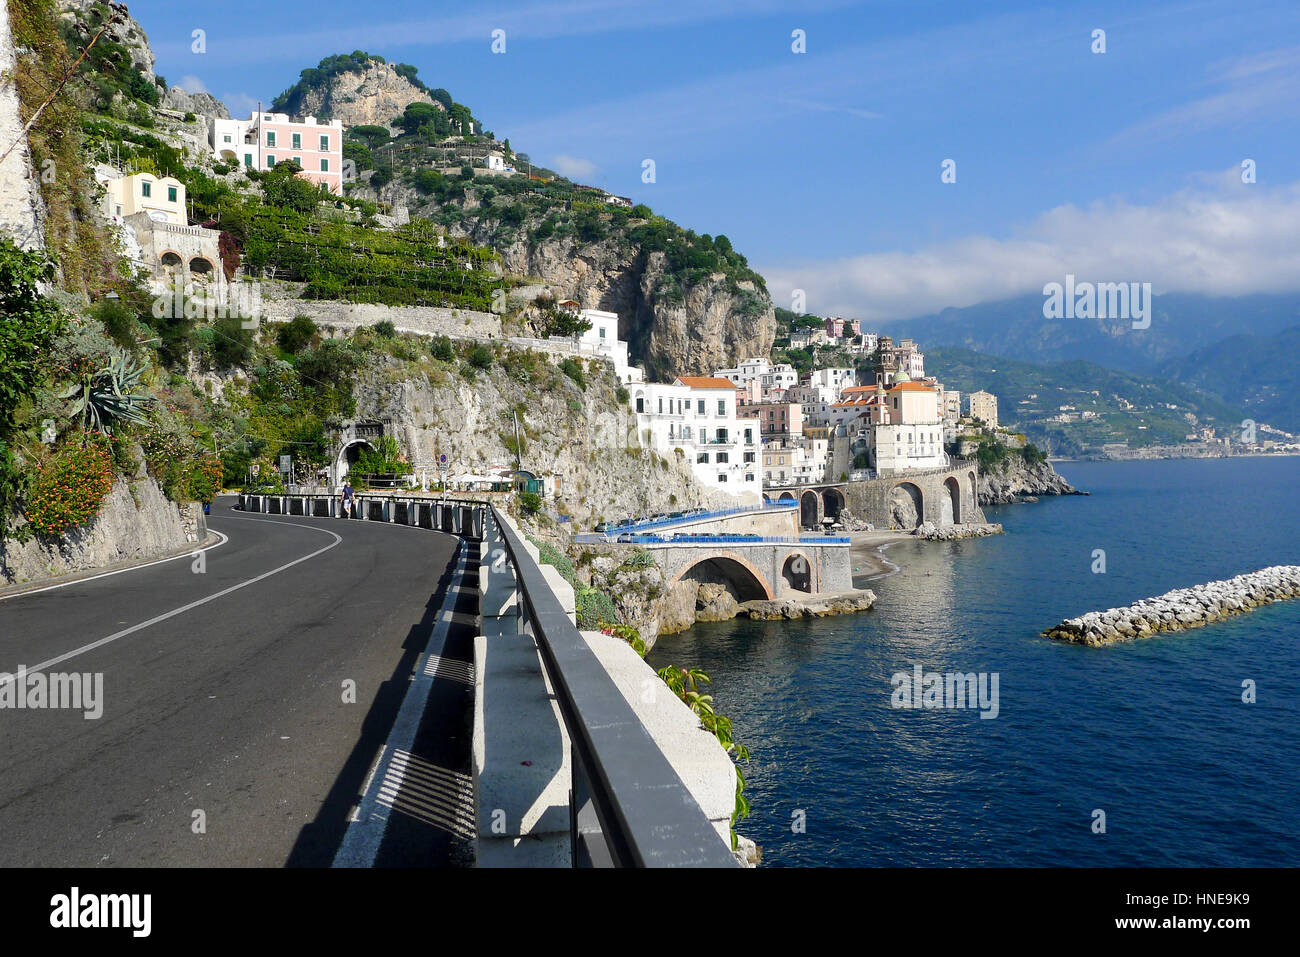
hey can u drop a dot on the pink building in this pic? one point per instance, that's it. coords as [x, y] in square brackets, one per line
[838, 328]
[265, 139]
[775, 418]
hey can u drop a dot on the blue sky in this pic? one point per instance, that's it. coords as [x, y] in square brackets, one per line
[824, 167]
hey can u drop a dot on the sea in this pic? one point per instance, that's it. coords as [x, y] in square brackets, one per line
[1179, 750]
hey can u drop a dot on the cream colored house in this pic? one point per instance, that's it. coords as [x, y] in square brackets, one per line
[161, 197]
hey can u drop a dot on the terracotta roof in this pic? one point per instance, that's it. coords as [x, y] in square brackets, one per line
[911, 387]
[706, 382]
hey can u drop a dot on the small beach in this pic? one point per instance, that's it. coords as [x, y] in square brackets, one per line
[866, 554]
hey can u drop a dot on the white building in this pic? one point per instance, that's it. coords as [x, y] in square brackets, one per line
[749, 370]
[495, 161]
[836, 379]
[696, 417]
[600, 340]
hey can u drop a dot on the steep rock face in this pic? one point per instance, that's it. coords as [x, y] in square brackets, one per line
[136, 521]
[370, 97]
[711, 326]
[21, 210]
[82, 17]
[573, 438]
[1018, 480]
[200, 104]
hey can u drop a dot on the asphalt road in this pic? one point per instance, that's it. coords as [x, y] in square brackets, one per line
[223, 693]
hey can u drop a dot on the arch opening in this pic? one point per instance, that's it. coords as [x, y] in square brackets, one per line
[832, 502]
[950, 503]
[906, 505]
[735, 575]
[808, 516]
[796, 573]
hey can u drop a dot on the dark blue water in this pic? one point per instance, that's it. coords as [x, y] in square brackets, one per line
[1152, 732]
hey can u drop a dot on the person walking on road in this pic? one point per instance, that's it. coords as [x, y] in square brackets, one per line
[349, 499]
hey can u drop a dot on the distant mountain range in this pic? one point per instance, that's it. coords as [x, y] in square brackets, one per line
[1261, 373]
[1197, 341]
[1079, 406]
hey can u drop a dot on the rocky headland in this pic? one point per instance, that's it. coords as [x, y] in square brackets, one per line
[1019, 481]
[1182, 608]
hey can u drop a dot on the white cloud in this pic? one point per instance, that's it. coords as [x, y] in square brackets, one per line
[1227, 238]
[240, 105]
[192, 84]
[573, 167]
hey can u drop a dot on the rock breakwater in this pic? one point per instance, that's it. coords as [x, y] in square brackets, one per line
[1182, 608]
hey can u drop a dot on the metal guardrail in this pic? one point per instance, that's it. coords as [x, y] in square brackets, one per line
[622, 527]
[628, 807]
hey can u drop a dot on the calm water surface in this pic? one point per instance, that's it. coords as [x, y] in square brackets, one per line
[1153, 732]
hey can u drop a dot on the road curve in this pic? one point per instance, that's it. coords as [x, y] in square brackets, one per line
[225, 737]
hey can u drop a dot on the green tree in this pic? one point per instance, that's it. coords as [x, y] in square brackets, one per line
[28, 328]
[282, 186]
[416, 115]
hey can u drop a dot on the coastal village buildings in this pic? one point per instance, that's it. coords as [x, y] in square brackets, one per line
[697, 416]
[984, 406]
[162, 198]
[265, 139]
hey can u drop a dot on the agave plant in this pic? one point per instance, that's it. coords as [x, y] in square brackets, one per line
[109, 395]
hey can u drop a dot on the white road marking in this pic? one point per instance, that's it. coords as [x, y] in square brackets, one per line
[192, 605]
[133, 568]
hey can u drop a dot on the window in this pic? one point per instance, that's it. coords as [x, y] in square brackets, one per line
[722, 476]
[270, 137]
[749, 457]
[324, 144]
[226, 138]
[297, 141]
[661, 405]
[171, 194]
[723, 458]
[749, 436]
[722, 435]
[270, 160]
[722, 407]
[298, 160]
[602, 332]
[700, 407]
[324, 165]
[248, 160]
[702, 458]
[749, 476]
[640, 404]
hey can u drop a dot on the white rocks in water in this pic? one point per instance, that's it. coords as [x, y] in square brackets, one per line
[947, 533]
[1182, 608]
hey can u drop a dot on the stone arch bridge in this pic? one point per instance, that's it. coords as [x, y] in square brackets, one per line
[947, 496]
[759, 570]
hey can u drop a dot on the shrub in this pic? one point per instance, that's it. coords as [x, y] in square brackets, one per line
[69, 489]
[480, 357]
[592, 607]
[385, 329]
[573, 369]
[442, 350]
[296, 334]
[530, 503]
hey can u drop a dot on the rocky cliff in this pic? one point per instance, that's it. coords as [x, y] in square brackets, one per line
[372, 96]
[1017, 481]
[675, 329]
[577, 439]
[135, 522]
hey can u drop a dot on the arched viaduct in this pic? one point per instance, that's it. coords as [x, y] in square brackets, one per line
[939, 496]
